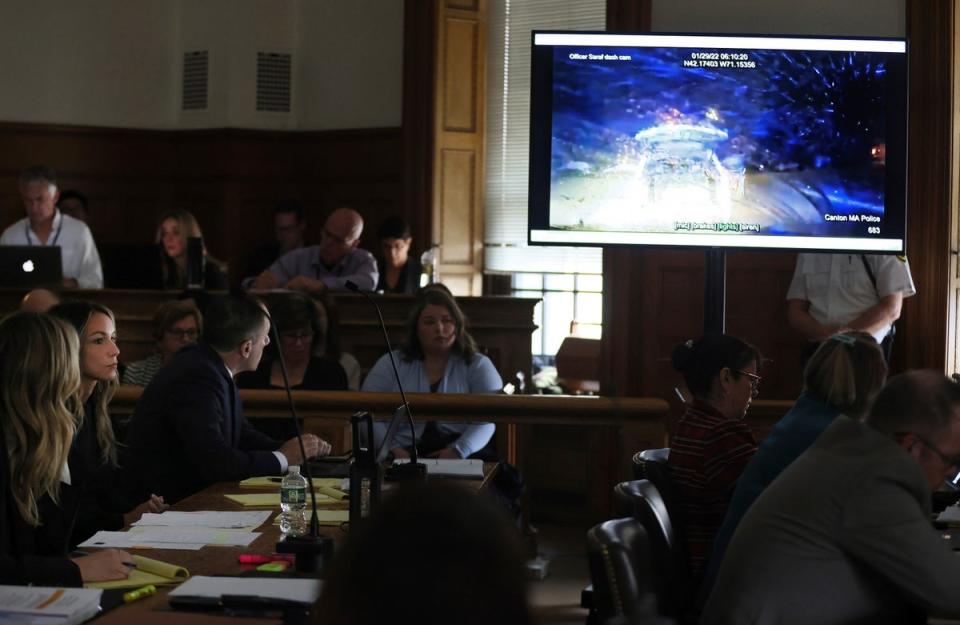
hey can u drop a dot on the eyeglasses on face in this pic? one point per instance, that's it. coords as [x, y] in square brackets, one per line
[948, 461]
[181, 333]
[754, 379]
[336, 238]
[295, 336]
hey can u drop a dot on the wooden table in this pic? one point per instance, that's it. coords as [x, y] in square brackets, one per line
[220, 560]
[206, 561]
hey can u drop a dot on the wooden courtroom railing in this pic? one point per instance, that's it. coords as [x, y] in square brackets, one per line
[612, 424]
[502, 326]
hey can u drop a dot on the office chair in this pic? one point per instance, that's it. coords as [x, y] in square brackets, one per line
[642, 458]
[619, 557]
[670, 573]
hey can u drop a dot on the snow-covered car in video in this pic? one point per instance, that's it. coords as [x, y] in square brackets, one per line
[679, 164]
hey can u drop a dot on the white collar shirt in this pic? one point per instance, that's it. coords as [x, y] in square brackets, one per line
[81, 260]
[839, 288]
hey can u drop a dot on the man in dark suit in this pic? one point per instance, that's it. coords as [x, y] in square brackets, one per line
[188, 430]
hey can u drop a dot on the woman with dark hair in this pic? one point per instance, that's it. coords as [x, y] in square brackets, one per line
[711, 443]
[842, 377]
[39, 381]
[297, 320]
[439, 356]
[399, 270]
[93, 455]
[173, 230]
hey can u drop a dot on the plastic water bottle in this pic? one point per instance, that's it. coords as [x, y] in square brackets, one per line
[293, 503]
[429, 260]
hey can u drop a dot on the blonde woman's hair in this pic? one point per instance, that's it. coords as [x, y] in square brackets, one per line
[847, 371]
[189, 227]
[77, 314]
[39, 377]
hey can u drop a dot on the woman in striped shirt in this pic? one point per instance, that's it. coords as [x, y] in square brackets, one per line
[711, 444]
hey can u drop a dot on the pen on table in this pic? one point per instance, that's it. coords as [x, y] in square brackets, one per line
[139, 593]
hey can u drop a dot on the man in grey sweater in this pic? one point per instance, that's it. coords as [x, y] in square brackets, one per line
[844, 534]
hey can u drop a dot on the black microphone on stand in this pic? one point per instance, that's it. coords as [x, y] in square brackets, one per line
[310, 551]
[413, 470]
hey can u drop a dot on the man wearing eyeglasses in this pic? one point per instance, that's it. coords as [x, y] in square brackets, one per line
[326, 266]
[844, 534]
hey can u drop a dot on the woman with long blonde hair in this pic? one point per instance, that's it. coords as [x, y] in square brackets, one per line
[39, 381]
[93, 455]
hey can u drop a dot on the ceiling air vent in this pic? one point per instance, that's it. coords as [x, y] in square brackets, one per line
[195, 74]
[273, 82]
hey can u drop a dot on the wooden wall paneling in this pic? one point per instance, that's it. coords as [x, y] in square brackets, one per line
[231, 179]
[922, 333]
[458, 143]
[757, 284]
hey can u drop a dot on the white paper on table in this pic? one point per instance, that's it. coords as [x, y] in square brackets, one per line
[229, 520]
[122, 540]
[39, 604]
[141, 536]
[300, 590]
[950, 514]
[450, 467]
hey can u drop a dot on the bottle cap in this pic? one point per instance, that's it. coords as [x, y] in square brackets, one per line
[293, 468]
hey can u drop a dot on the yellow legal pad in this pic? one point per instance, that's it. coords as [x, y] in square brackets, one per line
[148, 571]
[272, 500]
[325, 517]
[274, 482]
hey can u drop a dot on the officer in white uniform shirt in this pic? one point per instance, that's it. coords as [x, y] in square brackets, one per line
[833, 293]
[46, 225]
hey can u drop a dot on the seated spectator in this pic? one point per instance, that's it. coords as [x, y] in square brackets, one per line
[39, 378]
[439, 356]
[73, 203]
[297, 321]
[176, 324]
[328, 265]
[93, 456]
[842, 377]
[172, 232]
[46, 225]
[188, 430]
[330, 346]
[39, 300]
[399, 270]
[711, 443]
[289, 224]
[429, 554]
[843, 535]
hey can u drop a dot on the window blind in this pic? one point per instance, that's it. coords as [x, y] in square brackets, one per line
[508, 128]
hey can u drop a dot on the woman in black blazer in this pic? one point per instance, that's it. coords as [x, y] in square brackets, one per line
[39, 380]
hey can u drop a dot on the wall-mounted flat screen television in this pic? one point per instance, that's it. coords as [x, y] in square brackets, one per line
[718, 141]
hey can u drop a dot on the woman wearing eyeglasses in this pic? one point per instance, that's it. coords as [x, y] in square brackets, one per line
[842, 377]
[298, 323]
[176, 324]
[711, 444]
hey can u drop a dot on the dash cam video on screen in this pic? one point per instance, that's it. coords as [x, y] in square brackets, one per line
[710, 140]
